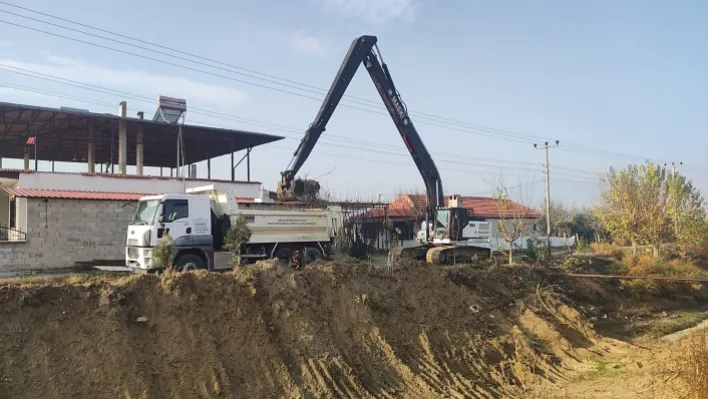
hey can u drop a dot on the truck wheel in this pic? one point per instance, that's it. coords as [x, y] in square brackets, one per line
[312, 254]
[284, 256]
[189, 262]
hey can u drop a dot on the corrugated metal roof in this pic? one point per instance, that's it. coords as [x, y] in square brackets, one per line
[52, 126]
[67, 194]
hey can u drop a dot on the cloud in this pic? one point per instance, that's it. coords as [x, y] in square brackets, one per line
[373, 11]
[133, 80]
[302, 42]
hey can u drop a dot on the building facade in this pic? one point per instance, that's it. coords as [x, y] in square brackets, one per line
[62, 220]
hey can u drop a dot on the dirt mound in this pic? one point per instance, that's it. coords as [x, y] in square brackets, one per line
[334, 330]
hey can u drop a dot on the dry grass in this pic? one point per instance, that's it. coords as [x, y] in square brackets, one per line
[607, 249]
[646, 265]
[687, 369]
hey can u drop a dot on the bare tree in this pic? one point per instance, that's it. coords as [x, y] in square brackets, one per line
[514, 217]
[413, 200]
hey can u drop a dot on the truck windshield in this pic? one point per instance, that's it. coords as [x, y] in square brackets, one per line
[145, 212]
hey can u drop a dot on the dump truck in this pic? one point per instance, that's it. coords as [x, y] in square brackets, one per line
[197, 222]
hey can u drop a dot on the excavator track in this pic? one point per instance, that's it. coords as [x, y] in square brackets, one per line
[412, 253]
[448, 255]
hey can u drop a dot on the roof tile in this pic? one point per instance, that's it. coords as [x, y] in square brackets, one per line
[67, 194]
[407, 206]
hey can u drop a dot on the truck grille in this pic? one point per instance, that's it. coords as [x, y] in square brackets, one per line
[132, 253]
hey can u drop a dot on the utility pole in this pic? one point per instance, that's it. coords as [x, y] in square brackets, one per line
[673, 167]
[545, 147]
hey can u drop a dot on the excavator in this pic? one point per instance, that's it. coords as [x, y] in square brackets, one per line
[444, 242]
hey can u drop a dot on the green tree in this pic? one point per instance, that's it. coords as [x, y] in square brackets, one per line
[238, 235]
[688, 214]
[645, 204]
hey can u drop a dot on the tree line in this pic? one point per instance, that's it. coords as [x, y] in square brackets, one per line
[643, 204]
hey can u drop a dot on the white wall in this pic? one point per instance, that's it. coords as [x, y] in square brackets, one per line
[128, 184]
[4, 209]
[21, 213]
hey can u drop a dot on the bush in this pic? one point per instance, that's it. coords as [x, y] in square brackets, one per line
[607, 249]
[531, 251]
[583, 245]
[572, 264]
[647, 265]
[239, 233]
[162, 254]
[689, 367]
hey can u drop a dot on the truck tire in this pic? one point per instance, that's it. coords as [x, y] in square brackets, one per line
[312, 254]
[284, 255]
[189, 262]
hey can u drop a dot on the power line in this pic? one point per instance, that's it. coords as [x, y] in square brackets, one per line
[496, 133]
[101, 89]
[471, 166]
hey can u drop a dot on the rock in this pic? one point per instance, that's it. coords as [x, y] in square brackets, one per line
[141, 319]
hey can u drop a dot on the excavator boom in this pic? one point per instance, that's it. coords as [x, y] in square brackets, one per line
[364, 50]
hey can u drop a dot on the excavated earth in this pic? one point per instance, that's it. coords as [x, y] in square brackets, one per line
[334, 330]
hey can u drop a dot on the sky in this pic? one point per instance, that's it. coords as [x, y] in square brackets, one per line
[616, 82]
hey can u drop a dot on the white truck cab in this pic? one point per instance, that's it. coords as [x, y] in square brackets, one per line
[198, 221]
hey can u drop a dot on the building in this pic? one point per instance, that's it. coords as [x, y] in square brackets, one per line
[58, 220]
[408, 211]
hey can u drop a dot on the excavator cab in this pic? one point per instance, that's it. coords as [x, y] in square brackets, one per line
[451, 220]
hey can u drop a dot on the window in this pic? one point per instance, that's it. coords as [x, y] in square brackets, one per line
[145, 212]
[175, 210]
[443, 216]
[13, 210]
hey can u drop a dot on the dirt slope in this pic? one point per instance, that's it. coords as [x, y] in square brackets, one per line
[334, 330]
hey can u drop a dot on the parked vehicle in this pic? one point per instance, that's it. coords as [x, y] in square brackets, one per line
[198, 220]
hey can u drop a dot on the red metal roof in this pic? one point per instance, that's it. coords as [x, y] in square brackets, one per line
[407, 206]
[78, 195]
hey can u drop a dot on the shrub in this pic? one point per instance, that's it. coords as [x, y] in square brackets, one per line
[583, 245]
[239, 233]
[531, 251]
[689, 367]
[572, 264]
[647, 265]
[162, 254]
[607, 249]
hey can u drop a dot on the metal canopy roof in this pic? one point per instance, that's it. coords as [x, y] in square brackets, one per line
[62, 135]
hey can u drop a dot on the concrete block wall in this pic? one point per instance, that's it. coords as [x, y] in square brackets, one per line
[63, 232]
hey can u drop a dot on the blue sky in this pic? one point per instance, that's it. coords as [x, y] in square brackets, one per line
[615, 81]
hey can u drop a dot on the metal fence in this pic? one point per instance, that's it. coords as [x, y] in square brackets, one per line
[12, 234]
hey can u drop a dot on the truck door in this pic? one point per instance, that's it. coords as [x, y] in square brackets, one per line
[174, 219]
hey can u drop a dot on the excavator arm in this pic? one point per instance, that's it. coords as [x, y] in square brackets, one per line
[364, 50]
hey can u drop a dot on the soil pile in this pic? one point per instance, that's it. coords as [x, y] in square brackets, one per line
[333, 330]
